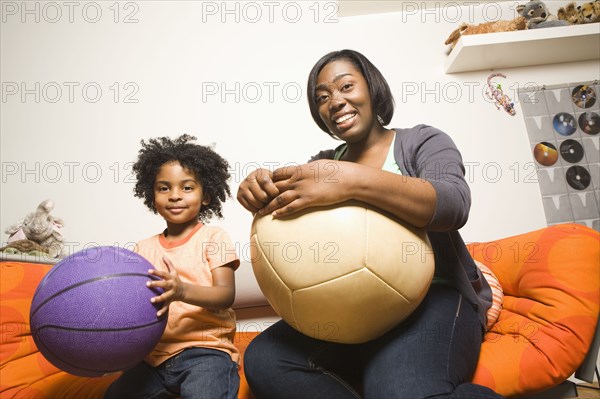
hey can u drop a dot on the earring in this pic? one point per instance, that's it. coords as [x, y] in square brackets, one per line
[380, 119]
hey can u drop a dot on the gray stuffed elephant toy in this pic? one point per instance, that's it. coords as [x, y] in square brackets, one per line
[38, 231]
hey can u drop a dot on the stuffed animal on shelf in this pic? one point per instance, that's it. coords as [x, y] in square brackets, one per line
[38, 231]
[538, 15]
[519, 23]
[568, 13]
[586, 13]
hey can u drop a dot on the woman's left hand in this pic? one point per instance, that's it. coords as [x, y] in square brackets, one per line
[171, 284]
[318, 183]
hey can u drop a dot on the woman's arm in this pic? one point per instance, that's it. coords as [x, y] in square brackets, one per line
[437, 198]
[328, 182]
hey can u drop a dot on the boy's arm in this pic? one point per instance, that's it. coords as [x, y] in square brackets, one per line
[220, 296]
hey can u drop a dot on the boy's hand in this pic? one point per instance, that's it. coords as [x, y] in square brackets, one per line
[171, 284]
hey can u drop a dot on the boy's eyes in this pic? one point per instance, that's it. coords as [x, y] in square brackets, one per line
[164, 189]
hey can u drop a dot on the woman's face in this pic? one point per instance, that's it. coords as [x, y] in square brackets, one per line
[344, 102]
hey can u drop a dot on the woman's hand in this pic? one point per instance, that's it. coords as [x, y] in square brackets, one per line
[171, 284]
[318, 183]
[257, 190]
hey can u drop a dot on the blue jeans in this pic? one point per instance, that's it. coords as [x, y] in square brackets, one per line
[197, 373]
[432, 354]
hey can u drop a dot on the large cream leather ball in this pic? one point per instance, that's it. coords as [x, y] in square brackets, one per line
[346, 273]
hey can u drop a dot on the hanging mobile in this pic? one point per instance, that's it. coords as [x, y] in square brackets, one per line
[495, 93]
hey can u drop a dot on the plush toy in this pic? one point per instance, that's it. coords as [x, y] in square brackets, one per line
[38, 231]
[538, 15]
[494, 92]
[586, 13]
[568, 13]
[518, 23]
[25, 247]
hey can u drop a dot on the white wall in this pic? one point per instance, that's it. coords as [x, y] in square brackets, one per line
[190, 67]
[165, 61]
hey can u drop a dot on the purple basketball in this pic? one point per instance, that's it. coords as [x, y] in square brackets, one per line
[91, 314]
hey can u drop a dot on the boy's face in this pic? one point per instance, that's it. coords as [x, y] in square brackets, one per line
[178, 195]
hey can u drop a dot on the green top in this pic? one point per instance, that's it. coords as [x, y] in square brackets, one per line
[389, 165]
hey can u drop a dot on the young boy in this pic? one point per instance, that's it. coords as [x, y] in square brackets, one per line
[186, 183]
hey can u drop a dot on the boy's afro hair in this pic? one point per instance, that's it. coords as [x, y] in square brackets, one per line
[211, 170]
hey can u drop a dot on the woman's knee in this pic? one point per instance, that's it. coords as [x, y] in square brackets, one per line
[258, 357]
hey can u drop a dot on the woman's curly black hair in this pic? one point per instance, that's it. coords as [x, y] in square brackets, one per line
[211, 170]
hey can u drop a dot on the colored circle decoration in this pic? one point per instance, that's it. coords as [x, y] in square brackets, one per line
[545, 153]
[571, 151]
[564, 124]
[583, 96]
[589, 122]
[578, 177]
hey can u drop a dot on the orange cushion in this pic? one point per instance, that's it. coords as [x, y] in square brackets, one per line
[242, 339]
[551, 283]
[24, 372]
[497, 294]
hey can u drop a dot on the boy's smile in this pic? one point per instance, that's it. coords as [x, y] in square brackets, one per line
[178, 196]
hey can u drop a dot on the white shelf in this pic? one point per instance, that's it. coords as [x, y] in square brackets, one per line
[351, 8]
[525, 48]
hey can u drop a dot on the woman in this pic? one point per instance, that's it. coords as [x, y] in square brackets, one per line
[415, 174]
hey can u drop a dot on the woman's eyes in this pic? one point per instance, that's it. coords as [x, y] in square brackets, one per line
[345, 87]
[322, 98]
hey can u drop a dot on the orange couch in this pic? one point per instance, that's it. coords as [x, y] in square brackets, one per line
[551, 283]
[24, 372]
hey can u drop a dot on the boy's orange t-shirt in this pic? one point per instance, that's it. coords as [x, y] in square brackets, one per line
[205, 248]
